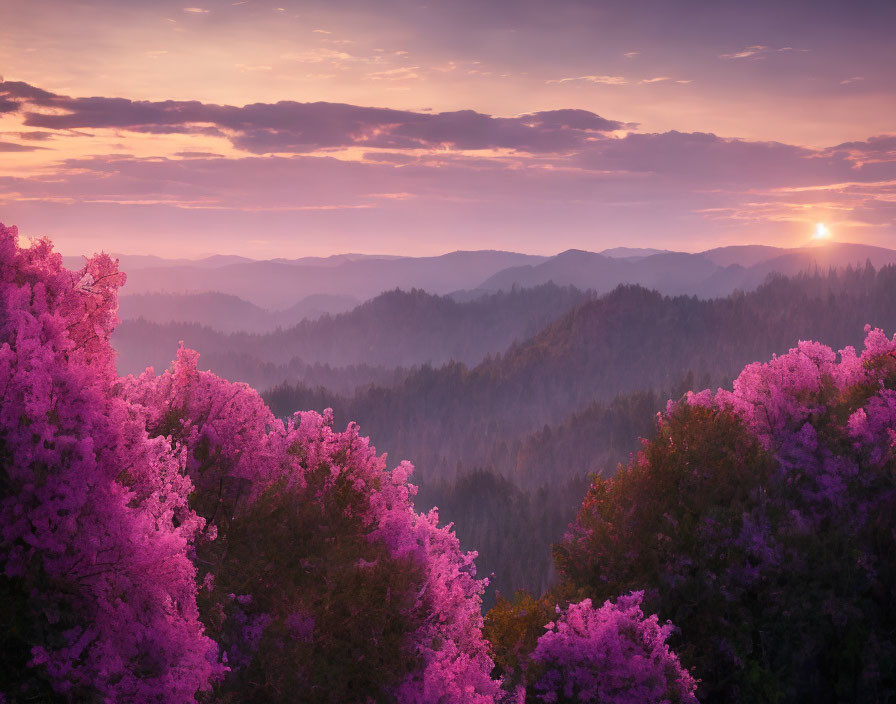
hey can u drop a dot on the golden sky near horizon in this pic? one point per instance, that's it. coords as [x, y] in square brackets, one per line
[248, 126]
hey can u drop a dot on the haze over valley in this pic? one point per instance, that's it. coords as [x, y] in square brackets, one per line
[501, 382]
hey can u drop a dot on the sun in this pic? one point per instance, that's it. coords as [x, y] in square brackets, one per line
[821, 232]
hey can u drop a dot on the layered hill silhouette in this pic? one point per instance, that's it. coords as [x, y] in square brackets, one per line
[508, 399]
[627, 341]
[518, 432]
[716, 272]
[286, 291]
[395, 329]
[278, 284]
[228, 313]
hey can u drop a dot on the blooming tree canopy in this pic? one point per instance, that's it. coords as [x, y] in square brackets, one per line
[609, 655]
[761, 521]
[99, 591]
[165, 538]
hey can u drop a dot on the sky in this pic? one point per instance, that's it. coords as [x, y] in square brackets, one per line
[282, 128]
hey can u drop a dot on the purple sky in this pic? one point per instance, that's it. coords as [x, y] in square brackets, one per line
[292, 128]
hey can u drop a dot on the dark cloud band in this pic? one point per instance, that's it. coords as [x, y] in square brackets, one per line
[290, 126]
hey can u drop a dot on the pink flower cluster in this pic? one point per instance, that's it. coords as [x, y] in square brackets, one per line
[88, 535]
[611, 655]
[231, 440]
[826, 420]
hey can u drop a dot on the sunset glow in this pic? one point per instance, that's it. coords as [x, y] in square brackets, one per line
[281, 129]
[821, 232]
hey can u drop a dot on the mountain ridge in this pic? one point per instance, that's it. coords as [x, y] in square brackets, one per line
[712, 273]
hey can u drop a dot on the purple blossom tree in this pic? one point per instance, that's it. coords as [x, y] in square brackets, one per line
[99, 595]
[611, 655]
[761, 521]
[311, 487]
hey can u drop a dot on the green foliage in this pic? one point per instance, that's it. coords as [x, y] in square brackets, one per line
[340, 607]
[513, 628]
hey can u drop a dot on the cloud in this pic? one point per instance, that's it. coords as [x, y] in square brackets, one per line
[319, 55]
[17, 93]
[875, 155]
[605, 80]
[529, 173]
[574, 119]
[396, 74]
[293, 127]
[696, 167]
[757, 51]
[14, 147]
[690, 183]
[196, 10]
[879, 144]
[541, 132]
[568, 138]
[745, 53]
[392, 196]
[707, 161]
[664, 79]
[35, 136]
[396, 158]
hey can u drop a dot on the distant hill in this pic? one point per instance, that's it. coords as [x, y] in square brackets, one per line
[788, 262]
[395, 329]
[334, 259]
[745, 255]
[280, 284]
[631, 252]
[227, 313]
[132, 262]
[716, 272]
[829, 256]
[128, 262]
[630, 340]
[669, 272]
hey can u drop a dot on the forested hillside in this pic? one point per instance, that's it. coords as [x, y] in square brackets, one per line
[627, 341]
[395, 329]
[577, 397]
[760, 521]
[227, 313]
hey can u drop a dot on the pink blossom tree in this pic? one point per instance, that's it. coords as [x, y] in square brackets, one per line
[608, 655]
[99, 596]
[761, 521]
[304, 486]
[121, 495]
